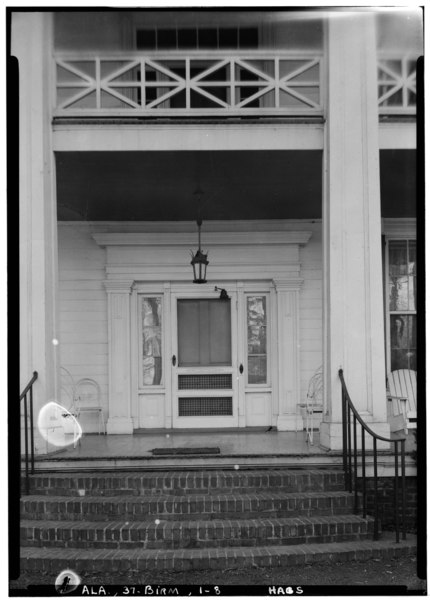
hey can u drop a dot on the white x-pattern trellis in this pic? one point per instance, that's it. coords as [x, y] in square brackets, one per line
[397, 84]
[280, 84]
[242, 84]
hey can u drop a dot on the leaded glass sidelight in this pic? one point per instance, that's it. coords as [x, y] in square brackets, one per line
[257, 339]
[402, 303]
[151, 340]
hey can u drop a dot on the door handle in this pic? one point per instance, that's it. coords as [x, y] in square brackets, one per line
[241, 368]
[173, 360]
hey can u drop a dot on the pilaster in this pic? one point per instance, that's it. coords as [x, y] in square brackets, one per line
[119, 298]
[353, 298]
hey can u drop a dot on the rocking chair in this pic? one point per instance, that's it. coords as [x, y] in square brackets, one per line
[402, 399]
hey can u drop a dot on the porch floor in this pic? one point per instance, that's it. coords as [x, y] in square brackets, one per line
[241, 447]
[236, 448]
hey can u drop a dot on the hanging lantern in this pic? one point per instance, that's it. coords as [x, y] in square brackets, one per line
[199, 260]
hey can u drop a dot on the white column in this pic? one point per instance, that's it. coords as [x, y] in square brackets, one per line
[119, 298]
[353, 300]
[287, 295]
[32, 46]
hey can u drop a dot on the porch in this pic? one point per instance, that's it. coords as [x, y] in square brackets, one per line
[238, 448]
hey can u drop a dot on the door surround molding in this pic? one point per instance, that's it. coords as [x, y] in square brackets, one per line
[260, 259]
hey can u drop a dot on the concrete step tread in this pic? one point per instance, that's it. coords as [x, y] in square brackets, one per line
[52, 559]
[261, 494]
[144, 523]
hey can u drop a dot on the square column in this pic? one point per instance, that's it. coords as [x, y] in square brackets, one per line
[119, 298]
[40, 340]
[288, 354]
[353, 283]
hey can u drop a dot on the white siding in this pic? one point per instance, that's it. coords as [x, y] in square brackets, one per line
[83, 305]
[83, 333]
[311, 308]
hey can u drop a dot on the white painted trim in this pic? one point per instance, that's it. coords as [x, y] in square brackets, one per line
[397, 135]
[255, 136]
[401, 229]
[185, 226]
[211, 238]
[116, 286]
[256, 259]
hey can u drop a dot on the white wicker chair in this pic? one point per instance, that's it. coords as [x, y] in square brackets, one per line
[88, 400]
[314, 403]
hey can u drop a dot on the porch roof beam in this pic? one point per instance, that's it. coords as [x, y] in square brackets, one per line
[105, 137]
[394, 136]
[300, 136]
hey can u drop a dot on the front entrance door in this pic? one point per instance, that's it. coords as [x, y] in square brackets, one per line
[205, 386]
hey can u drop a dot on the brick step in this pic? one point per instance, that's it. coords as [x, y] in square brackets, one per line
[195, 534]
[209, 506]
[54, 560]
[187, 482]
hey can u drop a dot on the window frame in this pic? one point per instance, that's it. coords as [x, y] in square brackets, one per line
[142, 387]
[268, 382]
[407, 236]
[238, 27]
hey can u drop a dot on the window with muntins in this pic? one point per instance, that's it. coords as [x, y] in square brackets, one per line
[402, 315]
[195, 38]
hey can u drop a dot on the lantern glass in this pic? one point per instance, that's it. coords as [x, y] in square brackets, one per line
[199, 263]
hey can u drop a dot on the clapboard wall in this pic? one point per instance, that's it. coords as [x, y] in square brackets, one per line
[83, 336]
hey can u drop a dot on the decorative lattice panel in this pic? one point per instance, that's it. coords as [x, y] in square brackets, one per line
[205, 382]
[201, 407]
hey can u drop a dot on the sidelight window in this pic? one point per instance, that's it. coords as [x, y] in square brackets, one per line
[151, 340]
[256, 309]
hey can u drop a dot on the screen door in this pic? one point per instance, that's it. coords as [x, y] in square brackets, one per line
[204, 364]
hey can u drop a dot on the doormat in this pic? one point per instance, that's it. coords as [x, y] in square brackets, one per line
[179, 451]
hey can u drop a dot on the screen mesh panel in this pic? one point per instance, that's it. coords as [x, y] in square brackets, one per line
[205, 382]
[200, 407]
[204, 333]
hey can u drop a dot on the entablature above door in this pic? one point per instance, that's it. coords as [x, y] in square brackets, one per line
[243, 255]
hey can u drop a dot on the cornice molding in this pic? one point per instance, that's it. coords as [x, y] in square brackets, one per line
[287, 284]
[119, 285]
[210, 238]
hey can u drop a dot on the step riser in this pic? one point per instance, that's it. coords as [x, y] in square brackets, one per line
[206, 509]
[216, 538]
[201, 561]
[190, 484]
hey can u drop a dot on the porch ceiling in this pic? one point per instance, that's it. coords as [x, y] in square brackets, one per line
[159, 186]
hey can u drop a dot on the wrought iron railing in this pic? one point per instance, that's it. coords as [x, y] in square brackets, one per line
[197, 83]
[27, 397]
[350, 420]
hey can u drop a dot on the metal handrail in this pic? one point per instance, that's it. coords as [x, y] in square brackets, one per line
[350, 418]
[27, 396]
